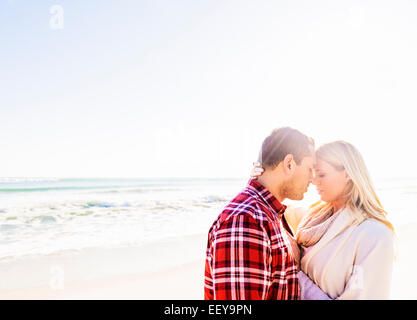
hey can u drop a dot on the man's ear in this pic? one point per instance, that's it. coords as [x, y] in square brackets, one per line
[288, 163]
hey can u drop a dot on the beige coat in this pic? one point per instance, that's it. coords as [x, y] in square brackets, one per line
[351, 261]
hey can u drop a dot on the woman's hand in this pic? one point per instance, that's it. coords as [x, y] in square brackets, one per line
[257, 170]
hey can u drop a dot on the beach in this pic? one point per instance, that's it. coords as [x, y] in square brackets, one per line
[107, 238]
[128, 127]
[168, 269]
[403, 282]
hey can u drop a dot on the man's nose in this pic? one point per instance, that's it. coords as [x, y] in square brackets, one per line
[311, 178]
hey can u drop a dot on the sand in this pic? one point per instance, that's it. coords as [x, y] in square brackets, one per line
[404, 282]
[169, 269]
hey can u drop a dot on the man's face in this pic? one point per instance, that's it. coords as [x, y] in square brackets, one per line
[302, 177]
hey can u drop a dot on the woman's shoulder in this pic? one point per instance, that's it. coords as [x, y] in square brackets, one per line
[375, 229]
[374, 236]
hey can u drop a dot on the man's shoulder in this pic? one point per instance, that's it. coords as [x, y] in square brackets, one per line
[244, 197]
[248, 204]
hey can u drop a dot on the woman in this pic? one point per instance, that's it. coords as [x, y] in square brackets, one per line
[346, 242]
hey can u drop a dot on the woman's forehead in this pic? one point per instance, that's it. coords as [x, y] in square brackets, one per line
[322, 165]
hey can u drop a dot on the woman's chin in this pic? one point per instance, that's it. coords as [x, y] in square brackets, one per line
[324, 198]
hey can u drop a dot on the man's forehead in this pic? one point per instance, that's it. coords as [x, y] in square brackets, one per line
[310, 160]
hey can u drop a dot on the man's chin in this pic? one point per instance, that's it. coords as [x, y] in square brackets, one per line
[297, 197]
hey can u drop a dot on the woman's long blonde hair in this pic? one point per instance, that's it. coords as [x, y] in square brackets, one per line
[361, 192]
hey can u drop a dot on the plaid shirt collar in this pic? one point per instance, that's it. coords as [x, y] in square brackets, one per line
[267, 197]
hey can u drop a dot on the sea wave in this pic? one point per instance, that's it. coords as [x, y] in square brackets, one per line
[135, 190]
[45, 189]
[39, 216]
[24, 179]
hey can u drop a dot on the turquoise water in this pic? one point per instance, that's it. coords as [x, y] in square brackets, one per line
[43, 216]
[11, 185]
[49, 216]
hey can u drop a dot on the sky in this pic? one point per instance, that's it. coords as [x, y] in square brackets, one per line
[190, 88]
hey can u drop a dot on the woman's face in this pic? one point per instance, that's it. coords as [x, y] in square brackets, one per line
[330, 183]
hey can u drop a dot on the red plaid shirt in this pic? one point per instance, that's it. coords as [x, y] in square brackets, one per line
[247, 255]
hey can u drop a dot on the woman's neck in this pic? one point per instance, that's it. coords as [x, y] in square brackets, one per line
[338, 204]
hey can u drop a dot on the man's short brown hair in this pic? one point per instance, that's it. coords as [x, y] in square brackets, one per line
[284, 141]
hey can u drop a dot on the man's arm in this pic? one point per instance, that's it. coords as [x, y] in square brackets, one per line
[309, 290]
[241, 260]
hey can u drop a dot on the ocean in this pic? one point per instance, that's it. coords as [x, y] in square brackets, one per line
[48, 216]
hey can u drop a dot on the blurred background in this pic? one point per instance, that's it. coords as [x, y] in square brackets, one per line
[190, 88]
[126, 122]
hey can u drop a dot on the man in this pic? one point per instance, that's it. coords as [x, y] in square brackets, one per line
[247, 254]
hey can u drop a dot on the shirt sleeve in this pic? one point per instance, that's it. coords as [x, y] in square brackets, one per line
[371, 274]
[241, 260]
[309, 290]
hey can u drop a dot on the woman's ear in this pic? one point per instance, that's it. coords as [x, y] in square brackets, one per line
[347, 177]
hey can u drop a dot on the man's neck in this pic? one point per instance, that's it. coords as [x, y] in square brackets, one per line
[270, 183]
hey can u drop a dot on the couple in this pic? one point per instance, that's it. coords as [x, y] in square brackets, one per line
[340, 248]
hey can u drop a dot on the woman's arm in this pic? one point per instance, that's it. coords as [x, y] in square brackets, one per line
[372, 269]
[370, 278]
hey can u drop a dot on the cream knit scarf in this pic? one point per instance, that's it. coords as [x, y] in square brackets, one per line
[315, 224]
